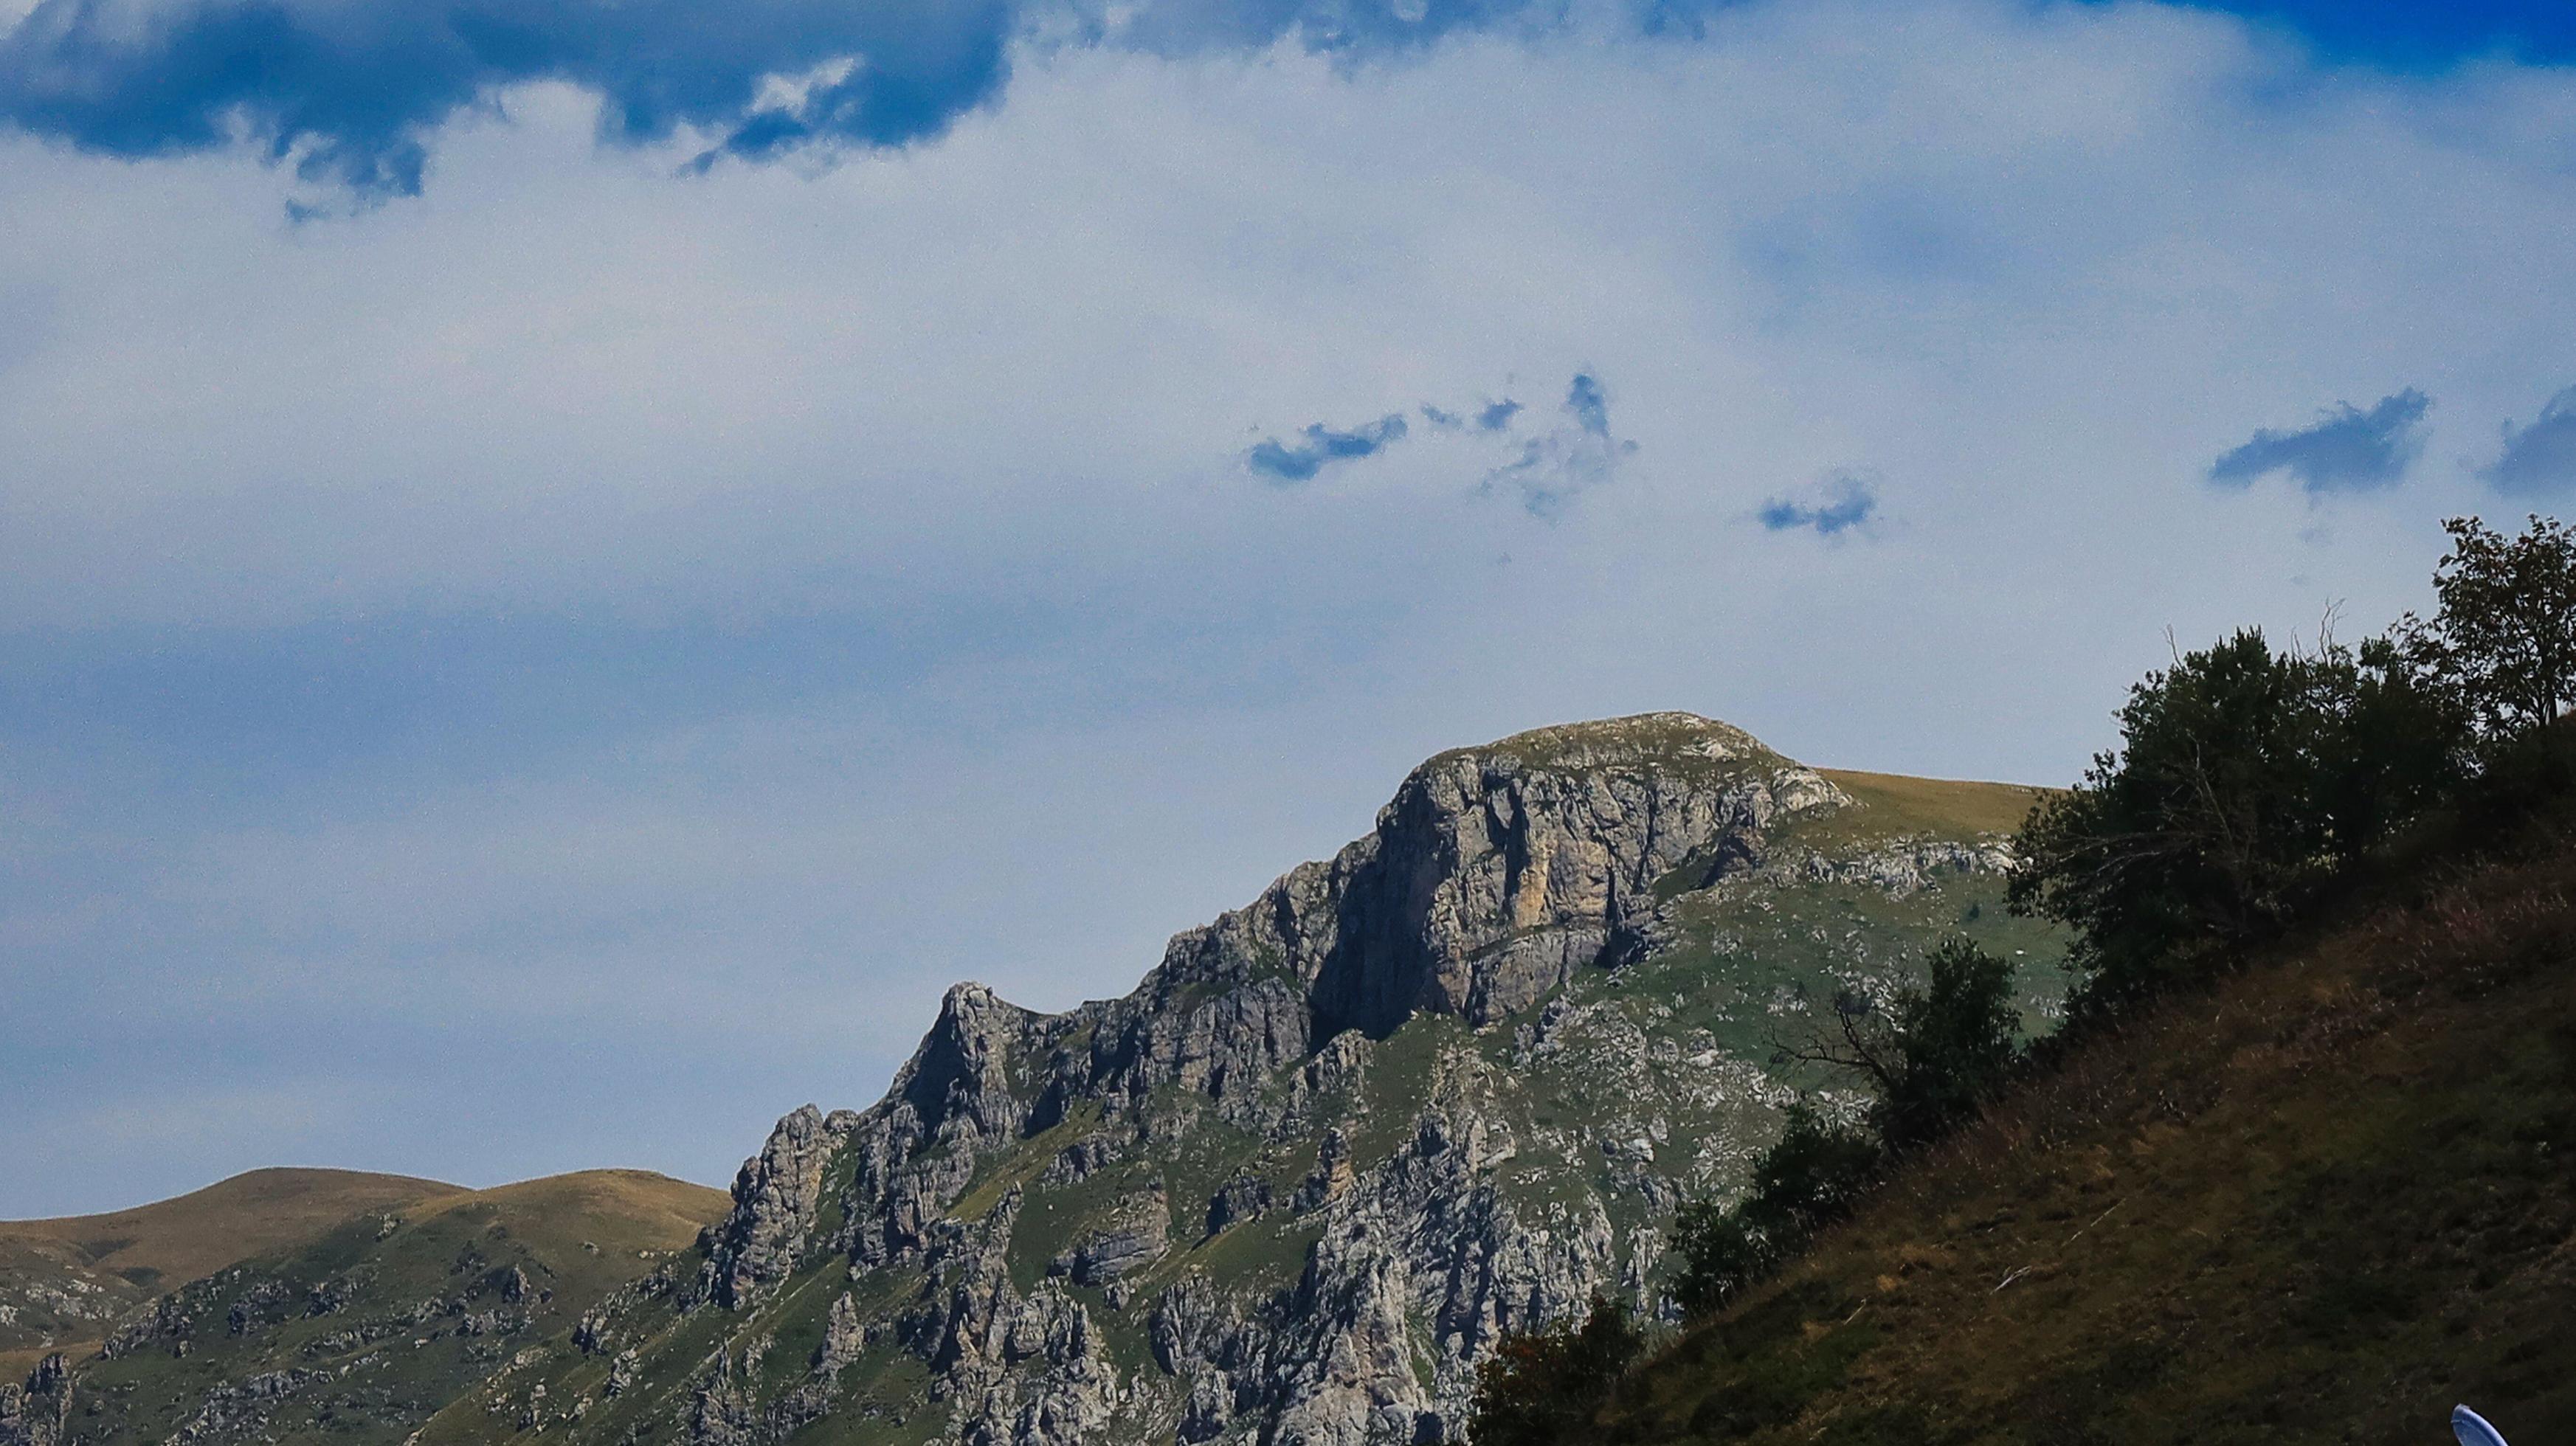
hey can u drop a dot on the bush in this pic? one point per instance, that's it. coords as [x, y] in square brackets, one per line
[1808, 1180]
[1540, 1388]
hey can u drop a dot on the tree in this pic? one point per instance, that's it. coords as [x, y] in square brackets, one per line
[1541, 1388]
[1936, 1052]
[2504, 635]
[2245, 779]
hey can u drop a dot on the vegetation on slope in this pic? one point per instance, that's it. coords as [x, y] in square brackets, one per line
[2321, 1203]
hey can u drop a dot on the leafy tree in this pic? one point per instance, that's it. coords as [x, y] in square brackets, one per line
[1541, 1388]
[1936, 1052]
[2245, 778]
[1808, 1180]
[2504, 636]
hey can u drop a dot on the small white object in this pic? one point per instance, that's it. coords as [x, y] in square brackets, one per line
[2472, 1428]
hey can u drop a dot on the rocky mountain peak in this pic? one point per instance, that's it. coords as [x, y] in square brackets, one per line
[961, 1071]
[1296, 1155]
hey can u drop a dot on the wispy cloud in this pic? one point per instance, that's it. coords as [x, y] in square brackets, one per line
[1546, 470]
[1837, 504]
[1286, 463]
[2541, 457]
[2347, 450]
[1568, 458]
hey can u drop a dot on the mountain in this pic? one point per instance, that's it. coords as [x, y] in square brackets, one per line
[63, 1281]
[358, 1329]
[1444, 1085]
[2320, 1203]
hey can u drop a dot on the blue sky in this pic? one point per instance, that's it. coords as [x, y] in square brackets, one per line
[559, 580]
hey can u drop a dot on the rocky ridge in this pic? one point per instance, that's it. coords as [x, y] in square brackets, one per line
[1445, 1085]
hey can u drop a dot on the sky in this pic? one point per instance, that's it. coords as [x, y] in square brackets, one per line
[565, 568]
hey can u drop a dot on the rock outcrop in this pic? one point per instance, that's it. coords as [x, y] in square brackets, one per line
[39, 1412]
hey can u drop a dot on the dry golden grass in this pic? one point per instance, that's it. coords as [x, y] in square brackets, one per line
[2321, 1203]
[1895, 804]
[197, 1234]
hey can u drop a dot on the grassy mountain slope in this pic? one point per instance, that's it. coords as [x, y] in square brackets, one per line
[1608, 1099]
[63, 1280]
[2322, 1203]
[361, 1332]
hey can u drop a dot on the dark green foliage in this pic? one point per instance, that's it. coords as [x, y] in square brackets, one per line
[1956, 1042]
[1807, 1181]
[1935, 1052]
[1543, 1388]
[2503, 641]
[2245, 779]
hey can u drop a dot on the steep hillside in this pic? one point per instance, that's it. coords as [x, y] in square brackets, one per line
[2322, 1204]
[63, 1281]
[361, 1332]
[1444, 1085]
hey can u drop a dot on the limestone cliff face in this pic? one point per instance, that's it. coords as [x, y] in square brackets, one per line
[1492, 876]
[39, 1412]
[1323, 1157]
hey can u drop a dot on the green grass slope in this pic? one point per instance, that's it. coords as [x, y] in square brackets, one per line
[360, 1334]
[2322, 1203]
[63, 1280]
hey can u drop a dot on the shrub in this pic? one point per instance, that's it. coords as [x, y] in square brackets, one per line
[1541, 1388]
[1808, 1180]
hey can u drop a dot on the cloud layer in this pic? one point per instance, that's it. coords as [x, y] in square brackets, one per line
[353, 94]
[600, 654]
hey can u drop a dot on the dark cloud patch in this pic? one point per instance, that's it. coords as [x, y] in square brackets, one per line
[2347, 450]
[1571, 457]
[2540, 458]
[1495, 416]
[352, 94]
[1322, 446]
[1585, 403]
[1841, 502]
[1445, 420]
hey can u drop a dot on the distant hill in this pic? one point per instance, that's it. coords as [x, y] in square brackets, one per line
[63, 1280]
[2321, 1204]
[364, 1328]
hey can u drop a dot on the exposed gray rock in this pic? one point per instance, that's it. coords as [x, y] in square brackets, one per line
[1245, 1197]
[1138, 1231]
[38, 1412]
